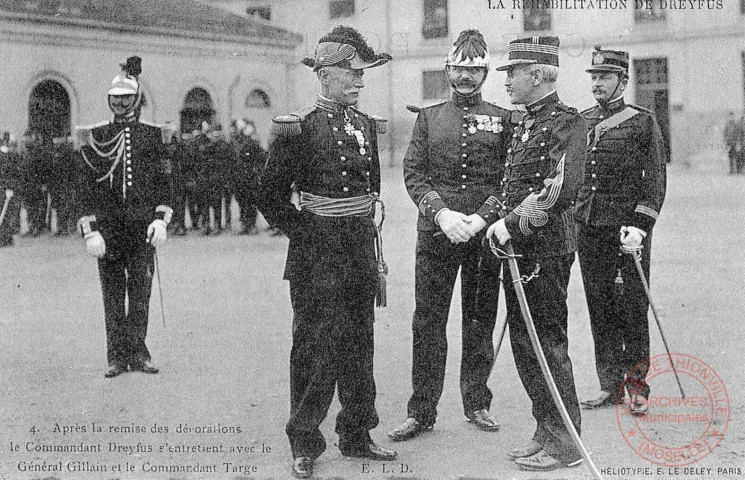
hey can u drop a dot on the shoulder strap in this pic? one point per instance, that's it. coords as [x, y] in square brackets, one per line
[610, 122]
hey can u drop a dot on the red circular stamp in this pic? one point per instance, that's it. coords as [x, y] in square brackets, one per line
[676, 430]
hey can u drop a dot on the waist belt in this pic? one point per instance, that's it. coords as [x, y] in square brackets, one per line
[361, 206]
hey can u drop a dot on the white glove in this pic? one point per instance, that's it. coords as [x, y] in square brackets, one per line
[8, 193]
[500, 230]
[95, 244]
[454, 225]
[631, 238]
[156, 233]
[475, 224]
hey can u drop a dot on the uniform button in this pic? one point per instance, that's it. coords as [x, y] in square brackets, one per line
[537, 174]
[368, 190]
[601, 116]
[530, 189]
[464, 155]
[343, 174]
[129, 176]
[336, 129]
[346, 189]
[504, 194]
[463, 187]
[465, 108]
[340, 142]
[330, 115]
[519, 123]
[463, 144]
[362, 127]
[486, 216]
[594, 148]
[545, 128]
[367, 143]
[463, 135]
[463, 177]
[594, 176]
[356, 115]
[594, 188]
[543, 157]
[129, 147]
[129, 169]
[369, 159]
[343, 159]
[129, 184]
[543, 144]
[129, 162]
[509, 150]
[126, 129]
[465, 125]
[593, 162]
[514, 135]
[553, 113]
[367, 173]
[507, 164]
[127, 140]
[504, 179]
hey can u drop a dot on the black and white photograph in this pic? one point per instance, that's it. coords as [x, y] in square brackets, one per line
[372, 239]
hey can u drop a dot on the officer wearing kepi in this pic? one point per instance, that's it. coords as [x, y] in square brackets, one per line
[328, 154]
[452, 171]
[125, 193]
[543, 173]
[618, 205]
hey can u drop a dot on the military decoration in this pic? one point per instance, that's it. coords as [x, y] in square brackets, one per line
[350, 130]
[526, 136]
[484, 123]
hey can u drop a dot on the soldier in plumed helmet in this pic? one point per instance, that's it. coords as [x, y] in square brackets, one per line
[452, 171]
[125, 198]
[328, 154]
[617, 207]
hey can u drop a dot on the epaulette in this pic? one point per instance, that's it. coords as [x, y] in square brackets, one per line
[166, 130]
[289, 125]
[566, 108]
[381, 123]
[641, 109]
[83, 134]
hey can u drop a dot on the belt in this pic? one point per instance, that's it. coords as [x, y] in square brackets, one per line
[361, 206]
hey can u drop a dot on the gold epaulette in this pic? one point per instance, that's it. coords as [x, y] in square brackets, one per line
[289, 125]
[83, 134]
[641, 109]
[166, 130]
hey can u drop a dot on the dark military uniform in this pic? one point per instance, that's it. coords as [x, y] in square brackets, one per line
[454, 161]
[9, 181]
[624, 186]
[62, 185]
[331, 268]
[35, 174]
[250, 160]
[121, 194]
[543, 172]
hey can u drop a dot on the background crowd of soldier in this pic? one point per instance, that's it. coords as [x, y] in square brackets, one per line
[39, 174]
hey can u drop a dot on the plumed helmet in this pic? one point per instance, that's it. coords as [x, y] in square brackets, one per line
[345, 46]
[469, 50]
[125, 82]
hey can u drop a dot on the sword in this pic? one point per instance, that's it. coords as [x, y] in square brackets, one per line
[637, 255]
[160, 289]
[509, 253]
[8, 196]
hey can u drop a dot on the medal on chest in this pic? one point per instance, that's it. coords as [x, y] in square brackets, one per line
[353, 131]
[526, 133]
[483, 123]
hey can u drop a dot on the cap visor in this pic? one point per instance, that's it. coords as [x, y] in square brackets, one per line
[357, 64]
[512, 63]
[606, 68]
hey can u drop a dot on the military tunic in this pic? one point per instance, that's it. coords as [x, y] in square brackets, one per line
[543, 173]
[122, 192]
[330, 266]
[624, 186]
[454, 161]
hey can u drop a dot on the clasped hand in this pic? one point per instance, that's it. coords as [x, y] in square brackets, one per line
[459, 227]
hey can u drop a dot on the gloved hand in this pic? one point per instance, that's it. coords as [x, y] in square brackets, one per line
[156, 233]
[454, 225]
[475, 223]
[500, 230]
[95, 244]
[631, 238]
[8, 193]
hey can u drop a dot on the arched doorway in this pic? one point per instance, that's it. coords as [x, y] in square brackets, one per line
[49, 110]
[258, 109]
[197, 109]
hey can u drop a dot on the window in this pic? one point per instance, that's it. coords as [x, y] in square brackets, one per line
[264, 13]
[435, 19]
[536, 17]
[258, 99]
[435, 85]
[341, 8]
[649, 14]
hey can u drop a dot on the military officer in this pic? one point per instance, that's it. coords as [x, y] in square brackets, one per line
[543, 173]
[125, 193]
[618, 205]
[452, 171]
[328, 153]
[9, 181]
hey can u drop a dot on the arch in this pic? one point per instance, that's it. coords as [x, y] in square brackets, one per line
[65, 83]
[198, 107]
[258, 98]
